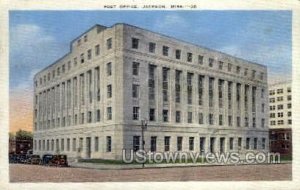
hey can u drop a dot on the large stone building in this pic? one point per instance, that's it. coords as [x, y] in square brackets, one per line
[280, 97]
[90, 103]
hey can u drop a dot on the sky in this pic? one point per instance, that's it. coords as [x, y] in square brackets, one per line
[38, 38]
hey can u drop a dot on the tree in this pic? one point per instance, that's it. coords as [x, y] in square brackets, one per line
[21, 134]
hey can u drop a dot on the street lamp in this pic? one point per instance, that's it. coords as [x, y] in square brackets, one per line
[144, 128]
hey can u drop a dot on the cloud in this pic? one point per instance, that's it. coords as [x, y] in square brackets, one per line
[170, 21]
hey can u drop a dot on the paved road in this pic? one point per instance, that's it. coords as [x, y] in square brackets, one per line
[34, 173]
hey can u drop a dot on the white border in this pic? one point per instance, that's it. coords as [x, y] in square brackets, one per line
[6, 5]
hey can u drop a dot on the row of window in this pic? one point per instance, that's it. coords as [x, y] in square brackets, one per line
[280, 99]
[280, 106]
[58, 145]
[280, 122]
[280, 114]
[135, 44]
[280, 91]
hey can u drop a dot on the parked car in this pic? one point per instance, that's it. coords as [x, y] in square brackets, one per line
[47, 159]
[59, 160]
[35, 159]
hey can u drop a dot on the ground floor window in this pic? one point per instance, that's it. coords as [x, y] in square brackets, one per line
[108, 144]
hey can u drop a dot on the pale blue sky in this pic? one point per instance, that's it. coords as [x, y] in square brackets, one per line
[38, 38]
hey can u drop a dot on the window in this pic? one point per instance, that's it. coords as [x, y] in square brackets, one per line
[135, 113]
[238, 69]
[280, 122]
[211, 119]
[239, 143]
[78, 42]
[165, 50]
[177, 86]
[279, 114]
[262, 93]
[201, 118]
[220, 65]
[109, 43]
[165, 76]
[246, 122]
[134, 43]
[63, 69]
[200, 59]
[280, 107]
[98, 115]
[135, 68]
[152, 47]
[189, 57]
[279, 91]
[238, 121]
[289, 121]
[289, 97]
[62, 142]
[82, 118]
[152, 114]
[191, 143]
[165, 115]
[97, 50]
[211, 62]
[289, 114]
[179, 143]
[73, 144]
[89, 54]
[167, 143]
[190, 117]
[246, 72]
[109, 113]
[247, 143]
[153, 144]
[82, 58]
[108, 144]
[230, 120]
[263, 143]
[255, 143]
[190, 88]
[263, 122]
[85, 38]
[108, 69]
[253, 122]
[178, 54]
[229, 67]
[262, 107]
[202, 145]
[135, 90]
[272, 100]
[289, 89]
[89, 117]
[178, 116]
[273, 107]
[231, 143]
[136, 143]
[96, 144]
[280, 98]
[109, 91]
[75, 61]
[288, 106]
[220, 119]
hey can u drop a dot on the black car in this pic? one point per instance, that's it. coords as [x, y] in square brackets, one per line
[59, 160]
[47, 159]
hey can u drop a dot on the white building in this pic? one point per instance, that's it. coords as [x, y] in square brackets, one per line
[90, 103]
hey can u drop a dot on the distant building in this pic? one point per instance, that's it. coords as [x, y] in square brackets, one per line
[280, 102]
[20, 145]
[90, 103]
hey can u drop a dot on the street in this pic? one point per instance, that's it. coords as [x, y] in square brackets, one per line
[37, 173]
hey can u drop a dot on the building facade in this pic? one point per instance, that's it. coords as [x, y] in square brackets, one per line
[90, 103]
[280, 101]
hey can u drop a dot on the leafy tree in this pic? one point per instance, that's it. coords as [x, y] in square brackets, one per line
[22, 134]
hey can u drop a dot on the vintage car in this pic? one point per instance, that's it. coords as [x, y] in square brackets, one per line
[34, 159]
[59, 160]
[47, 159]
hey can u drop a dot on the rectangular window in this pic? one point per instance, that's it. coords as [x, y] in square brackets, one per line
[89, 52]
[152, 47]
[136, 143]
[191, 143]
[221, 65]
[211, 119]
[200, 59]
[73, 144]
[202, 145]
[190, 88]
[177, 86]
[178, 116]
[246, 122]
[189, 57]
[211, 62]
[89, 117]
[229, 67]
[263, 122]
[98, 115]
[96, 144]
[255, 143]
[200, 90]
[263, 143]
[165, 87]
[230, 120]
[135, 68]
[135, 113]
[220, 119]
[82, 58]
[165, 115]
[108, 144]
[134, 43]
[211, 91]
[108, 69]
[247, 143]
[97, 50]
[151, 82]
[179, 143]
[167, 143]
[165, 50]
[109, 113]
[152, 114]
[253, 122]
[135, 90]
[238, 121]
[190, 117]
[153, 144]
[109, 43]
[109, 91]
[62, 142]
[177, 53]
[201, 118]
[231, 143]
[82, 118]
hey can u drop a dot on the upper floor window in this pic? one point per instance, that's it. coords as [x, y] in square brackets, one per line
[189, 57]
[253, 74]
[85, 38]
[177, 53]
[238, 69]
[82, 58]
[279, 91]
[109, 91]
[135, 113]
[97, 50]
[200, 59]
[152, 47]
[109, 113]
[108, 69]
[165, 50]
[134, 43]
[229, 67]
[246, 72]
[135, 68]
[220, 65]
[289, 89]
[261, 76]
[109, 43]
[210, 62]
[79, 42]
[89, 52]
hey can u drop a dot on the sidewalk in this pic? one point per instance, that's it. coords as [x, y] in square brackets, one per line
[101, 166]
